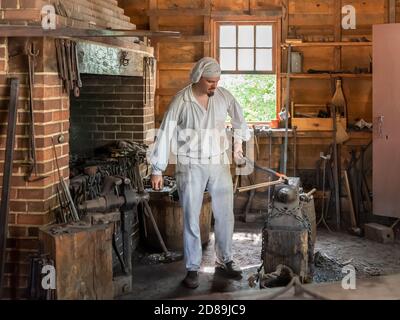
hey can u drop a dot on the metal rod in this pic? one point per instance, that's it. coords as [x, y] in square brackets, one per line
[7, 172]
[260, 185]
[269, 165]
[153, 221]
[285, 151]
[335, 168]
[64, 186]
[294, 150]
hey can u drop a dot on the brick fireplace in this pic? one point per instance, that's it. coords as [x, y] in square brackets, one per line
[111, 106]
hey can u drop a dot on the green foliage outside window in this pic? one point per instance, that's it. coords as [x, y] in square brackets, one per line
[256, 94]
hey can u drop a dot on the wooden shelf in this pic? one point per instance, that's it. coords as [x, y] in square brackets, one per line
[327, 75]
[329, 44]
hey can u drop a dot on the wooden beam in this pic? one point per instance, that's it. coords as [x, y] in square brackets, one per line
[285, 19]
[176, 12]
[337, 20]
[273, 12]
[175, 66]
[154, 26]
[207, 27]
[330, 44]
[38, 31]
[392, 11]
[327, 75]
[200, 38]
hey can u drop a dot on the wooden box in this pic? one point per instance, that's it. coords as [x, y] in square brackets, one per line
[315, 124]
[378, 232]
[83, 260]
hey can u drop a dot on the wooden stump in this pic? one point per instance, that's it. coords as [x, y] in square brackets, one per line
[287, 247]
[83, 261]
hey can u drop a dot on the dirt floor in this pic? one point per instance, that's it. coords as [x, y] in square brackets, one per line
[332, 251]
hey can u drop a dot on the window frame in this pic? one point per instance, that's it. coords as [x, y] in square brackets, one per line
[277, 51]
[254, 48]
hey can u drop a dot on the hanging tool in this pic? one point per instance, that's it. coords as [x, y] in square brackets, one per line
[324, 158]
[68, 65]
[78, 73]
[7, 172]
[64, 192]
[32, 53]
[148, 71]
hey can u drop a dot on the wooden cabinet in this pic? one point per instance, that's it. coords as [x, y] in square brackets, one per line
[386, 117]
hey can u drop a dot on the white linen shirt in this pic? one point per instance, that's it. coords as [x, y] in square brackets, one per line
[189, 130]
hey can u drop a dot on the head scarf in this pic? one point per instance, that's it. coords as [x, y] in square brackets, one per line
[205, 67]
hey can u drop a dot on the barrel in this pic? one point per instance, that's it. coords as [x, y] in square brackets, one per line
[168, 215]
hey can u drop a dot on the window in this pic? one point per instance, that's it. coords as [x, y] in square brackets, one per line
[246, 48]
[246, 53]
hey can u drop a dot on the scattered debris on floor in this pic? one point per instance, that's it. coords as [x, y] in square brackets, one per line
[156, 258]
[326, 268]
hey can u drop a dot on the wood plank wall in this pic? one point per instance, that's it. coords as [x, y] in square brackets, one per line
[313, 20]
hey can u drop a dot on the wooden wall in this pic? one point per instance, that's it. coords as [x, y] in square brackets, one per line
[311, 20]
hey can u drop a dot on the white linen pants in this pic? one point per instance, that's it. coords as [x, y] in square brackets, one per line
[192, 180]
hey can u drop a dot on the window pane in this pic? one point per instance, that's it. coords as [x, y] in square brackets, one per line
[264, 36]
[246, 59]
[256, 93]
[227, 36]
[227, 59]
[263, 59]
[246, 36]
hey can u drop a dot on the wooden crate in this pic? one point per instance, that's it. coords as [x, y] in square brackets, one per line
[315, 124]
[83, 261]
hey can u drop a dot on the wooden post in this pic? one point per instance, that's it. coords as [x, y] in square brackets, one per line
[338, 33]
[7, 173]
[154, 26]
[392, 11]
[207, 28]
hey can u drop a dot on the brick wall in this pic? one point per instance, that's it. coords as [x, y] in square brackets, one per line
[110, 108]
[31, 203]
[81, 13]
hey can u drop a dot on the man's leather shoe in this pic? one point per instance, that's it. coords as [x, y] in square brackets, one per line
[191, 280]
[230, 269]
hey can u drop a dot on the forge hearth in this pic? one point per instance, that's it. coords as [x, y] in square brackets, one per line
[109, 108]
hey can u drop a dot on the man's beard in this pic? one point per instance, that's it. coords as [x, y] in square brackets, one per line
[210, 94]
